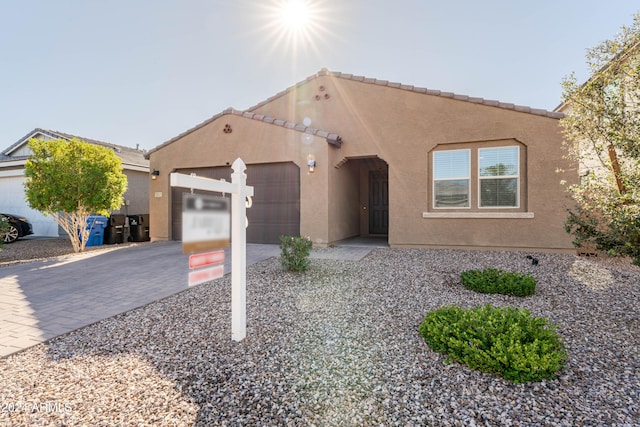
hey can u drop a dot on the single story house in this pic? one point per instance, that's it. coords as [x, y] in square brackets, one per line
[339, 155]
[12, 178]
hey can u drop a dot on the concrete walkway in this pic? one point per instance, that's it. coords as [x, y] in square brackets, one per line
[43, 299]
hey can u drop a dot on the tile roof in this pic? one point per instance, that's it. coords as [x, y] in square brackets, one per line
[332, 138]
[416, 89]
[129, 156]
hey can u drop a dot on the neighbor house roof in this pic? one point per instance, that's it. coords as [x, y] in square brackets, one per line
[129, 156]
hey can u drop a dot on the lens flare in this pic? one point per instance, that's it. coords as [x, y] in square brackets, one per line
[295, 15]
[302, 31]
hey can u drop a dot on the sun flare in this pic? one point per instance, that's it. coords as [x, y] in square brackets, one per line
[295, 15]
[298, 27]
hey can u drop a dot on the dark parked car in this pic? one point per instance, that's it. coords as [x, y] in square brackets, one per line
[18, 227]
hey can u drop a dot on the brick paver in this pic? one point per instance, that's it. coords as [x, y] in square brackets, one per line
[43, 299]
[40, 300]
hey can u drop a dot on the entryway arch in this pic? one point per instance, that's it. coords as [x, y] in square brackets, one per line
[366, 194]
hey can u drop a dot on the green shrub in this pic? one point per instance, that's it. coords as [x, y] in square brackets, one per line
[4, 228]
[504, 341]
[295, 252]
[494, 281]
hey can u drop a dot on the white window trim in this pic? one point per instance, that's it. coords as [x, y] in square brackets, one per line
[433, 178]
[517, 177]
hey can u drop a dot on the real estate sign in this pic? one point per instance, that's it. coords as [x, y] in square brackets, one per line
[206, 223]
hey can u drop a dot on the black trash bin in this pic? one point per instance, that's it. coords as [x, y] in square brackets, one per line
[138, 228]
[114, 231]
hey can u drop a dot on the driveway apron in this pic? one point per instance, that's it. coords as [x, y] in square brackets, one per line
[43, 299]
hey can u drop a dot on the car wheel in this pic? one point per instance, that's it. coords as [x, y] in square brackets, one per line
[11, 235]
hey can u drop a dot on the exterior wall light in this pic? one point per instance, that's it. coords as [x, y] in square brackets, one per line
[155, 173]
[311, 162]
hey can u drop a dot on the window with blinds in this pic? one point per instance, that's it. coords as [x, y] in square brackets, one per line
[451, 178]
[498, 176]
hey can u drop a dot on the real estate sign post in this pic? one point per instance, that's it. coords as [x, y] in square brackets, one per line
[240, 193]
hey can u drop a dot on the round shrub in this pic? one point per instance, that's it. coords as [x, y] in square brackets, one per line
[504, 341]
[494, 281]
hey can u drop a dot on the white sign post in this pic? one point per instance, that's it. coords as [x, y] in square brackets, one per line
[239, 194]
[239, 251]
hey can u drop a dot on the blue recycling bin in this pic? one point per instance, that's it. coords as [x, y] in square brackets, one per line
[96, 224]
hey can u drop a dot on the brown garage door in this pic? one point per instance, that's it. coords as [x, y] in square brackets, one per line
[276, 202]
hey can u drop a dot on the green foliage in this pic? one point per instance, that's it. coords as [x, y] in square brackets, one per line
[4, 227]
[614, 229]
[494, 281]
[71, 180]
[70, 176]
[506, 341]
[602, 132]
[295, 252]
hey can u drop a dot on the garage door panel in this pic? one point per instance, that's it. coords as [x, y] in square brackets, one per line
[269, 232]
[276, 202]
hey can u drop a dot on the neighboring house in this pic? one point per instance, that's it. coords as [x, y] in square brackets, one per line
[627, 61]
[423, 167]
[12, 177]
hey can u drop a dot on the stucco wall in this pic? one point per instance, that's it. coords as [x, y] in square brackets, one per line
[402, 127]
[254, 142]
[344, 195]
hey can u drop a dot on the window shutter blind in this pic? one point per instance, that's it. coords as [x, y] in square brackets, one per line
[451, 164]
[501, 161]
[451, 171]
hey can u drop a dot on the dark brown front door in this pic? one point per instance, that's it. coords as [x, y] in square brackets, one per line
[378, 202]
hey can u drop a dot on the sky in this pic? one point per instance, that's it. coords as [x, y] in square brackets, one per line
[140, 72]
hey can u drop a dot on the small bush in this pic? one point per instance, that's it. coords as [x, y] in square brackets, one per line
[494, 281]
[502, 341]
[4, 228]
[295, 252]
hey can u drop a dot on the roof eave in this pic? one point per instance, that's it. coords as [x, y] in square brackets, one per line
[331, 138]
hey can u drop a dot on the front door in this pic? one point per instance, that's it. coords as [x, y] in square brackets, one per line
[378, 202]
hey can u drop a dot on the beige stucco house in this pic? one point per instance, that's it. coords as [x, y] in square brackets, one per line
[423, 167]
[12, 177]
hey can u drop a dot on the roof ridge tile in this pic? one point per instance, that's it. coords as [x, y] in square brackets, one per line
[411, 88]
[416, 89]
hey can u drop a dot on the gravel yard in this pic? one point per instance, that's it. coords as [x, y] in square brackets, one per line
[32, 248]
[27, 249]
[337, 345]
